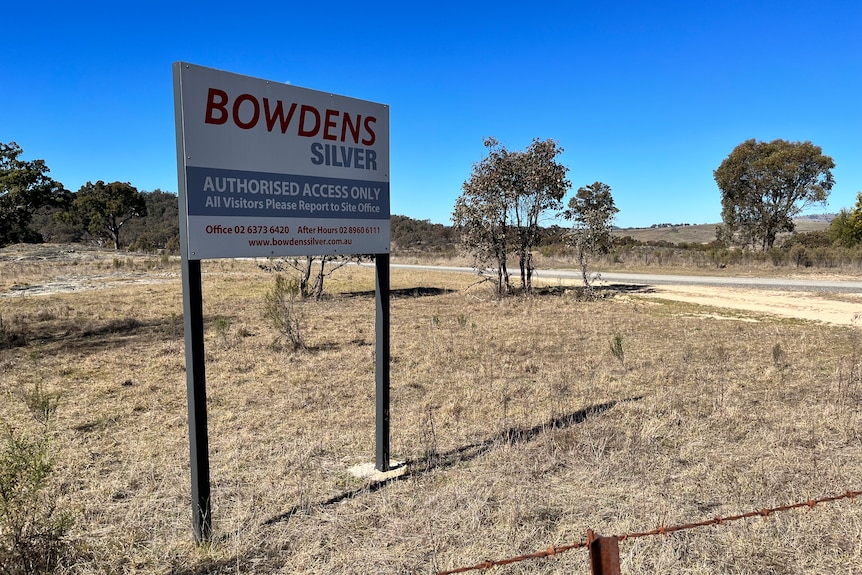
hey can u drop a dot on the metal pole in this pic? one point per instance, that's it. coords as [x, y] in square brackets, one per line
[604, 554]
[381, 367]
[193, 323]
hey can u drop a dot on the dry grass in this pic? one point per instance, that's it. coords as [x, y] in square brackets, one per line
[520, 426]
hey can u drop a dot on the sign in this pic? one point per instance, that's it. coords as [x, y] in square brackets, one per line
[270, 169]
[267, 169]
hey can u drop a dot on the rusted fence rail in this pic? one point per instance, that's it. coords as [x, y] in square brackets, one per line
[604, 552]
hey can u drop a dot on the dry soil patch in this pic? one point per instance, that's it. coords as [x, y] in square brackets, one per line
[794, 304]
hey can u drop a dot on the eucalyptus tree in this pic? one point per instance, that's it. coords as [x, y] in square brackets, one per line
[24, 188]
[502, 203]
[541, 186]
[846, 227]
[591, 211]
[104, 209]
[764, 185]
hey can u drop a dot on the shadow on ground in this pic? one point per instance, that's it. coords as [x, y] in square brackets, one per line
[601, 292]
[403, 292]
[628, 288]
[77, 334]
[438, 461]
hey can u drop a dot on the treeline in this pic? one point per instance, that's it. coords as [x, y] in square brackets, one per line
[158, 231]
[411, 236]
[155, 230]
[816, 249]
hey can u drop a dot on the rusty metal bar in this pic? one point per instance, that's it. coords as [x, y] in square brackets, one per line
[604, 554]
[611, 565]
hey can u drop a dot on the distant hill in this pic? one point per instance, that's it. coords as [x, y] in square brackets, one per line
[410, 235]
[700, 233]
[821, 218]
[414, 236]
[705, 233]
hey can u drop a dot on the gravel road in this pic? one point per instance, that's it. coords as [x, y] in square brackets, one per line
[784, 284]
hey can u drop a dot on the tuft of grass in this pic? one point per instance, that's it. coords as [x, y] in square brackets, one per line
[779, 357]
[41, 403]
[222, 327]
[616, 348]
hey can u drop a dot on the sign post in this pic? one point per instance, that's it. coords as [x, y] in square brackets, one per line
[381, 367]
[193, 322]
[266, 169]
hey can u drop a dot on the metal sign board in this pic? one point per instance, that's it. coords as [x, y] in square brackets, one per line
[270, 169]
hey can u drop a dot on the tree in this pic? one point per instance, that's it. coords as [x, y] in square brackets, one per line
[303, 267]
[540, 185]
[591, 212]
[764, 185]
[846, 227]
[159, 229]
[481, 216]
[105, 208]
[24, 188]
[502, 203]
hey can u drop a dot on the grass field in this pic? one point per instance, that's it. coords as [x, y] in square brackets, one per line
[524, 422]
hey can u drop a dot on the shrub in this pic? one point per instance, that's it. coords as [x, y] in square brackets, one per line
[798, 255]
[617, 348]
[32, 528]
[777, 256]
[284, 310]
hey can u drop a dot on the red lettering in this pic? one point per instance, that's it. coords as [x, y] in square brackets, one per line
[278, 114]
[354, 128]
[371, 136]
[328, 122]
[254, 117]
[216, 106]
[246, 115]
[308, 133]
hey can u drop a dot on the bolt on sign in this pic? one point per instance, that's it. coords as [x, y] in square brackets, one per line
[272, 169]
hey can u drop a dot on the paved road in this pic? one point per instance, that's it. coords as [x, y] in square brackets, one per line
[657, 279]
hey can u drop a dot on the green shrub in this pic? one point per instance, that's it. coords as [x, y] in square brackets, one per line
[284, 310]
[617, 348]
[33, 529]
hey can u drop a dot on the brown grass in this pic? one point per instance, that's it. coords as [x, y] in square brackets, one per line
[520, 427]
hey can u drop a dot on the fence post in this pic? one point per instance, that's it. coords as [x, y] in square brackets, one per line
[604, 554]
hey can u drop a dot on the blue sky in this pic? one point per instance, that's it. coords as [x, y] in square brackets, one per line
[648, 97]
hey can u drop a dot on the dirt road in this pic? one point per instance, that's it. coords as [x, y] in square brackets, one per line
[834, 300]
[844, 309]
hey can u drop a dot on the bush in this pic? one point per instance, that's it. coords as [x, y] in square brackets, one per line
[32, 529]
[776, 255]
[284, 310]
[9, 336]
[798, 255]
